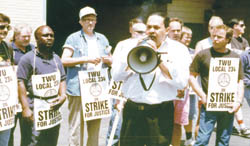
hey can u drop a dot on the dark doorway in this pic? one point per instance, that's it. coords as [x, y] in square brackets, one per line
[113, 17]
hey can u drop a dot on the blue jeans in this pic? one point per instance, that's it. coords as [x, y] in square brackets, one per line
[247, 95]
[118, 129]
[4, 137]
[224, 127]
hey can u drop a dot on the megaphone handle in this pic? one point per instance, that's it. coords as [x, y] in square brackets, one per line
[143, 83]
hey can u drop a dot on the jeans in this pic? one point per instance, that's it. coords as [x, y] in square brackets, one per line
[119, 126]
[247, 95]
[4, 137]
[224, 127]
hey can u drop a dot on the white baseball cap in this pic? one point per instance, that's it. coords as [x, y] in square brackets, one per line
[86, 11]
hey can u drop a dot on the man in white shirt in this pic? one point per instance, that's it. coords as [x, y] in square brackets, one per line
[137, 30]
[148, 115]
[207, 42]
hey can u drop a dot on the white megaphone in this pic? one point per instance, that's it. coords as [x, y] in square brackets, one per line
[143, 58]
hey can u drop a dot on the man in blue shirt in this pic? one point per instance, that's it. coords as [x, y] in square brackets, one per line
[21, 41]
[83, 50]
[36, 64]
[21, 45]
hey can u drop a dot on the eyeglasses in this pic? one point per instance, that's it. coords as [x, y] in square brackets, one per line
[2, 27]
[88, 20]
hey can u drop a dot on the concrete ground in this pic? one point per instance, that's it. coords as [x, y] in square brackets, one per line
[63, 137]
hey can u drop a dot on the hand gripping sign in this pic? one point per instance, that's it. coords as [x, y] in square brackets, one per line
[222, 84]
[8, 97]
[95, 103]
[45, 89]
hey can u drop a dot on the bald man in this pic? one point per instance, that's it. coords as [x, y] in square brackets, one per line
[45, 95]
[207, 42]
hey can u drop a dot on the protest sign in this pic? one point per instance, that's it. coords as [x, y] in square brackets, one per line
[223, 83]
[114, 90]
[8, 97]
[95, 102]
[45, 89]
[45, 117]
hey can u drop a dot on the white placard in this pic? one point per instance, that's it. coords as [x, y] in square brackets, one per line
[222, 83]
[8, 97]
[45, 118]
[115, 90]
[95, 103]
[46, 86]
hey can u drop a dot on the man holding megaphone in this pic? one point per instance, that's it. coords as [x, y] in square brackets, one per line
[150, 84]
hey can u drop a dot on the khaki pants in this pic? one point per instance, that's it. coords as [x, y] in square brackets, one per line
[76, 124]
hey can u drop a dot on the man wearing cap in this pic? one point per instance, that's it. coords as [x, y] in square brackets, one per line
[83, 50]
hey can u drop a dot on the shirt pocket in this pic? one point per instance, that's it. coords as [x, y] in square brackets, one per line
[79, 50]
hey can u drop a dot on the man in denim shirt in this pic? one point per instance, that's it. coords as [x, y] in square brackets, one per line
[83, 50]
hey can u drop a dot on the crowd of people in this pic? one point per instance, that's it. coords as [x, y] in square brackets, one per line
[159, 103]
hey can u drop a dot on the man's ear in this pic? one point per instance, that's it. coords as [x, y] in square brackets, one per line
[167, 30]
[80, 22]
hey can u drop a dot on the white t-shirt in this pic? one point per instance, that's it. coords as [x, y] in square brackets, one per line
[93, 50]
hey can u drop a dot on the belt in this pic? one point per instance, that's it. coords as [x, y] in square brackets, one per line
[143, 106]
[44, 98]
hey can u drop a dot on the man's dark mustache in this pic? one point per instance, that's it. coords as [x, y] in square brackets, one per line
[152, 37]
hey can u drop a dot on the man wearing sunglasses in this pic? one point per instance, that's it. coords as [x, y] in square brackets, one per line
[238, 43]
[5, 52]
[5, 60]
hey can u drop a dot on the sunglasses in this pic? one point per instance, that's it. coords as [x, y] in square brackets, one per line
[242, 25]
[2, 27]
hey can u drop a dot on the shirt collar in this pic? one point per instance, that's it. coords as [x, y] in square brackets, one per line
[82, 35]
[41, 56]
[28, 48]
